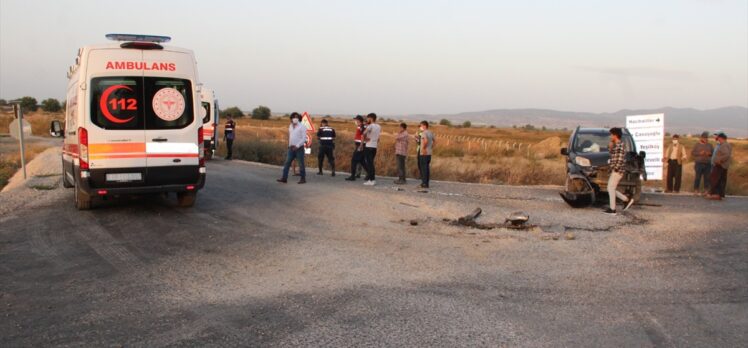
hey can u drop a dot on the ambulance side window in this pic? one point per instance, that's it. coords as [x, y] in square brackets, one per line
[168, 103]
[116, 102]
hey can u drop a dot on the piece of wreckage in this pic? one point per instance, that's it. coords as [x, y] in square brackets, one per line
[516, 221]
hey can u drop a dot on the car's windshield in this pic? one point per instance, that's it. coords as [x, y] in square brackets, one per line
[591, 142]
[598, 142]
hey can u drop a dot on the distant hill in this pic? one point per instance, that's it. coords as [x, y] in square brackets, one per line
[733, 120]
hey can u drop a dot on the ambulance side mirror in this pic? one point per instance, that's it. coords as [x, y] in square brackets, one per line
[56, 129]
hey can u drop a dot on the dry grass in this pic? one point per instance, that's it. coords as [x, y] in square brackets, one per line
[10, 161]
[39, 121]
[480, 155]
[484, 155]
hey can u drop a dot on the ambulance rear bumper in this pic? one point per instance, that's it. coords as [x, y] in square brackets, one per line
[85, 185]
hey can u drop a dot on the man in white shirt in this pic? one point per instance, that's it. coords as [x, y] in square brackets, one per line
[371, 141]
[296, 140]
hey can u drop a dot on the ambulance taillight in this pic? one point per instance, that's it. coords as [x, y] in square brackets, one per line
[201, 147]
[83, 148]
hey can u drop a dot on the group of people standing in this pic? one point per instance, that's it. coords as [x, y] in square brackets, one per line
[710, 165]
[365, 142]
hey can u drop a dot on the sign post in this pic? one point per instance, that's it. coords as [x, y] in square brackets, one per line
[307, 122]
[648, 132]
[17, 128]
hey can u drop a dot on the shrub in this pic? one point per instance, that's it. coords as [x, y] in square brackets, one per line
[232, 111]
[51, 105]
[445, 122]
[261, 113]
[466, 124]
[28, 104]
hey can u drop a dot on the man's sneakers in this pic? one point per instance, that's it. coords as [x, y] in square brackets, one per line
[370, 183]
[282, 181]
[319, 173]
[629, 204]
[609, 211]
[423, 186]
[350, 178]
[400, 182]
[302, 181]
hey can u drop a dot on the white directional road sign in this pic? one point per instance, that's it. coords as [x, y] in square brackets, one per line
[648, 132]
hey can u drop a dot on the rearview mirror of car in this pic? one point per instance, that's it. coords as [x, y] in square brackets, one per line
[642, 154]
[564, 151]
[55, 129]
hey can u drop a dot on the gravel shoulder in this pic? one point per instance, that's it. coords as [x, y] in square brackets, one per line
[334, 263]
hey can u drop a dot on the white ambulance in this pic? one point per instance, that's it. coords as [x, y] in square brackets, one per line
[209, 114]
[132, 121]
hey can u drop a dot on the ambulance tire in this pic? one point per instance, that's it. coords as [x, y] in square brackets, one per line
[186, 199]
[82, 199]
[65, 182]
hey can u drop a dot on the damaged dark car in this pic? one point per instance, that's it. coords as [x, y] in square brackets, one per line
[587, 167]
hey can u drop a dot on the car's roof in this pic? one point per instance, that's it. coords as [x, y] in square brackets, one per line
[593, 130]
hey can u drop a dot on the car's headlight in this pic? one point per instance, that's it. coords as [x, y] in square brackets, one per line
[584, 162]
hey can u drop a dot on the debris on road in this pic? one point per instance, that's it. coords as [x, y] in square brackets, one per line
[515, 221]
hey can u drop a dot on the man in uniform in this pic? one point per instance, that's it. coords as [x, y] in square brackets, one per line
[357, 159]
[228, 136]
[326, 136]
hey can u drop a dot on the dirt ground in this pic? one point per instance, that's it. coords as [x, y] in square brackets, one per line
[334, 263]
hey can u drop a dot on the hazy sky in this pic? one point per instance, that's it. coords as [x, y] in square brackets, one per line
[396, 57]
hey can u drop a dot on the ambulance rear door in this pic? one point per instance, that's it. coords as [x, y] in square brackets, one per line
[171, 125]
[115, 123]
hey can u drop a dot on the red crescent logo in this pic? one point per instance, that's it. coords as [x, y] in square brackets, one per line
[105, 108]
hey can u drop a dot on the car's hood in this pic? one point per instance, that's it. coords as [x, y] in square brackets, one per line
[597, 159]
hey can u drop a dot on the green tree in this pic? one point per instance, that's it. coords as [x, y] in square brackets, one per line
[51, 105]
[232, 111]
[3, 102]
[261, 113]
[445, 122]
[28, 104]
[467, 124]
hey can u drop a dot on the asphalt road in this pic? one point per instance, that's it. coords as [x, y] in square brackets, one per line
[333, 263]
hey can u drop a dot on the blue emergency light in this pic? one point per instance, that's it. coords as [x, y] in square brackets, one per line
[138, 38]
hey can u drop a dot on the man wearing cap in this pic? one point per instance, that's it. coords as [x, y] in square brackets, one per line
[675, 155]
[702, 158]
[720, 163]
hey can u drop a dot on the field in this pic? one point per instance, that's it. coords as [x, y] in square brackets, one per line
[513, 156]
[10, 158]
[482, 155]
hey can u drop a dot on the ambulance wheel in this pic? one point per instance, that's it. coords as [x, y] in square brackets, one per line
[82, 199]
[65, 182]
[186, 199]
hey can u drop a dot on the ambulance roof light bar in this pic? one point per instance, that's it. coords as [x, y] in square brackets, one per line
[138, 38]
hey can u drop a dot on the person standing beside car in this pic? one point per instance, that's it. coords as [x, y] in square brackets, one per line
[702, 163]
[675, 155]
[401, 152]
[720, 163]
[424, 158]
[326, 136]
[617, 165]
[228, 136]
[371, 142]
[296, 140]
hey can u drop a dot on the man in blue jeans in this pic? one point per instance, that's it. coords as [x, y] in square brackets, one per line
[702, 163]
[296, 140]
[426, 147]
